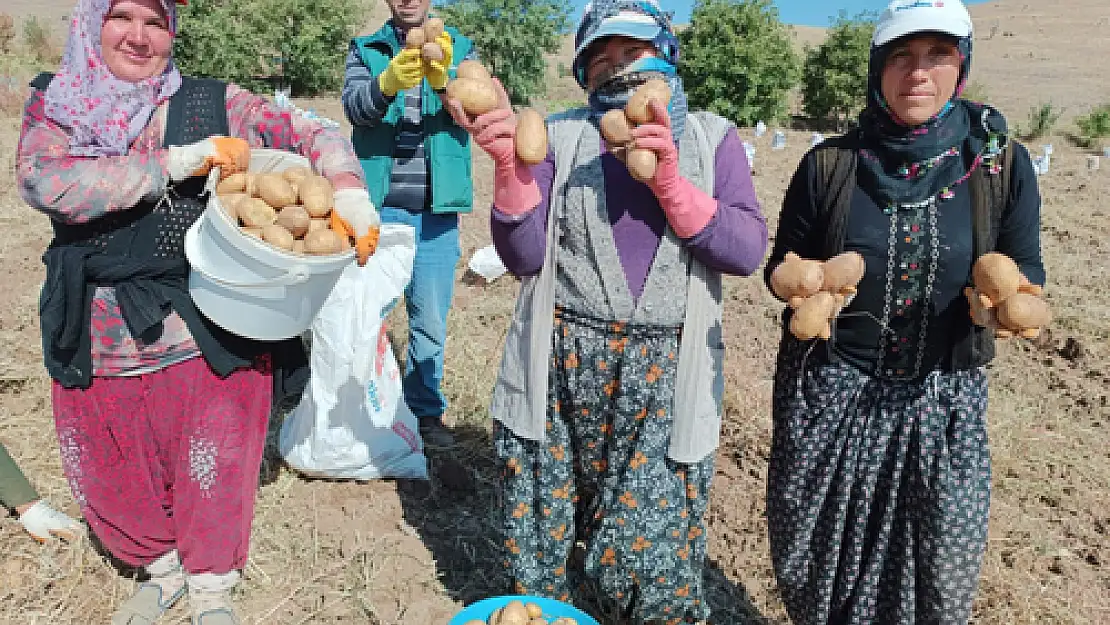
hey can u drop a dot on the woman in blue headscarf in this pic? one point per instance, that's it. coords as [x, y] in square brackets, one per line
[607, 406]
[879, 481]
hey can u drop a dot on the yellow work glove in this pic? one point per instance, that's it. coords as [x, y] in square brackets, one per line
[436, 71]
[404, 72]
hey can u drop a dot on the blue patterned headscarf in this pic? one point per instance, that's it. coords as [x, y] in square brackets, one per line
[635, 19]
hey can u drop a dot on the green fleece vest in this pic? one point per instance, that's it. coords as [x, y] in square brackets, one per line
[446, 145]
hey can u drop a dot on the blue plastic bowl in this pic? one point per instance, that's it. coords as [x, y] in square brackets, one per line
[552, 609]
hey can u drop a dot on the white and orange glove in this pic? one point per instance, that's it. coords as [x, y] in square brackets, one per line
[230, 154]
[687, 207]
[355, 216]
[515, 191]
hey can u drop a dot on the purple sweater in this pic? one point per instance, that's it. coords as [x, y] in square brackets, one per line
[733, 242]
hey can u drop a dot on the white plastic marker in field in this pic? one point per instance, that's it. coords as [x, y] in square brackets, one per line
[760, 129]
[486, 263]
[816, 139]
[778, 140]
[749, 151]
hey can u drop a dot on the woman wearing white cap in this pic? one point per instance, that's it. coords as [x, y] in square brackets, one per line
[607, 405]
[879, 483]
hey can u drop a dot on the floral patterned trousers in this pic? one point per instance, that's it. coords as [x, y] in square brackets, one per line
[878, 493]
[602, 481]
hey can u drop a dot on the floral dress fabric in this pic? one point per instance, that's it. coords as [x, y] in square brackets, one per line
[76, 190]
[602, 479]
[878, 493]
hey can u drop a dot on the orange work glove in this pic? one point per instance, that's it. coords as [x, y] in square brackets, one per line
[230, 154]
[355, 216]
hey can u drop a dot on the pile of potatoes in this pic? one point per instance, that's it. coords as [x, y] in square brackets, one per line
[617, 124]
[816, 290]
[289, 210]
[424, 38]
[1019, 308]
[518, 613]
[473, 87]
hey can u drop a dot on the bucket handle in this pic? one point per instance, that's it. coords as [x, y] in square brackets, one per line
[292, 277]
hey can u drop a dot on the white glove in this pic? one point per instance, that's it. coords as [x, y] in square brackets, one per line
[357, 216]
[355, 207]
[195, 159]
[43, 523]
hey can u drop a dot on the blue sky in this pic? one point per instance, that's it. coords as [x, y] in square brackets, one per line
[803, 12]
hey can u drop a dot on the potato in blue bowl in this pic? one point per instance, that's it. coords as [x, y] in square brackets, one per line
[521, 610]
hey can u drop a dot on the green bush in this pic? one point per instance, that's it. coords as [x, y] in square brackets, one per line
[261, 44]
[40, 43]
[834, 77]
[1094, 126]
[1041, 120]
[738, 60]
[511, 37]
[976, 91]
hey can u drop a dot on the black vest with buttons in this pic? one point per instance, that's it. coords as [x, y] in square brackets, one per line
[140, 252]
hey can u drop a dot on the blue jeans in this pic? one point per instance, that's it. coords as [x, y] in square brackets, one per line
[427, 300]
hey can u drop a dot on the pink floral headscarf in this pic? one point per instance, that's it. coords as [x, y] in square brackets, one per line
[102, 113]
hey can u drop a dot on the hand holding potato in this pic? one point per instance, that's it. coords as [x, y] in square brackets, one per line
[404, 71]
[436, 69]
[494, 131]
[657, 138]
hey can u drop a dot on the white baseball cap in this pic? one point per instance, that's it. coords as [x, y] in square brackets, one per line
[905, 17]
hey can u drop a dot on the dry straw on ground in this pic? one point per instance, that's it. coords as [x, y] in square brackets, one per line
[389, 553]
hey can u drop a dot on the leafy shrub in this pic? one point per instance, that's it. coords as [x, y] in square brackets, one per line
[511, 37]
[1041, 120]
[1094, 126]
[834, 76]
[301, 44]
[738, 60]
[976, 92]
[40, 42]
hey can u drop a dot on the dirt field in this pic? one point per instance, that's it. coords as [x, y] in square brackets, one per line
[409, 554]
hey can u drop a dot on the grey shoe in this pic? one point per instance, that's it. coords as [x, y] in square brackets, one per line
[146, 606]
[435, 434]
[221, 616]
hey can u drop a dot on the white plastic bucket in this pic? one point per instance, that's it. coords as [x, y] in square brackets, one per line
[248, 287]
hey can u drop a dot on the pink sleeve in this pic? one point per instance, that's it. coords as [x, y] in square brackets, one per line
[72, 189]
[264, 124]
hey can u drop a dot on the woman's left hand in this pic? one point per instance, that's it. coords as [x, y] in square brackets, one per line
[494, 131]
[230, 154]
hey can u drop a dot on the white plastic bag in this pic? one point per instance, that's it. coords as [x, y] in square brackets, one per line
[486, 263]
[352, 421]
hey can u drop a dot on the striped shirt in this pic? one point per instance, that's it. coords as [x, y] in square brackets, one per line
[366, 105]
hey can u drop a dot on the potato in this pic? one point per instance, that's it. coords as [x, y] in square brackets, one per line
[229, 202]
[295, 219]
[254, 232]
[431, 51]
[317, 196]
[324, 242]
[277, 236]
[614, 127]
[843, 272]
[294, 175]
[433, 28]
[415, 38]
[251, 188]
[534, 610]
[996, 276]
[473, 69]
[812, 315]
[514, 613]
[315, 225]
[476, 97]
[1025, 314]
[235, 183]
[255, 213]
[797, 277]
[637, 108]
[531, 137]
[641, 164]
[276, 191]
[495, 618]
[298, 246]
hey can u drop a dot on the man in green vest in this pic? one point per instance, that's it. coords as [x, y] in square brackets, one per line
[417, 165]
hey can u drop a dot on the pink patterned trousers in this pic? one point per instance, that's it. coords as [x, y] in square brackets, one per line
[168, 460]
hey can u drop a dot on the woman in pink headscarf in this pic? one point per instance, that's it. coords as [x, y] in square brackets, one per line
[161, 416]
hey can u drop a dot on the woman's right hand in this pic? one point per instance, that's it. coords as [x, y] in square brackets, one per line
[230, 154]
[494, 131]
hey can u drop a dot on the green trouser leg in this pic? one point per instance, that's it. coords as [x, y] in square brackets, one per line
[15, 490]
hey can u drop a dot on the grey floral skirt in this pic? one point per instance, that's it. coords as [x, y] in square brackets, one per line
[878, 493]
[596, 514]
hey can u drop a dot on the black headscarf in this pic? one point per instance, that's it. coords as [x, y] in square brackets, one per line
[905, 165]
